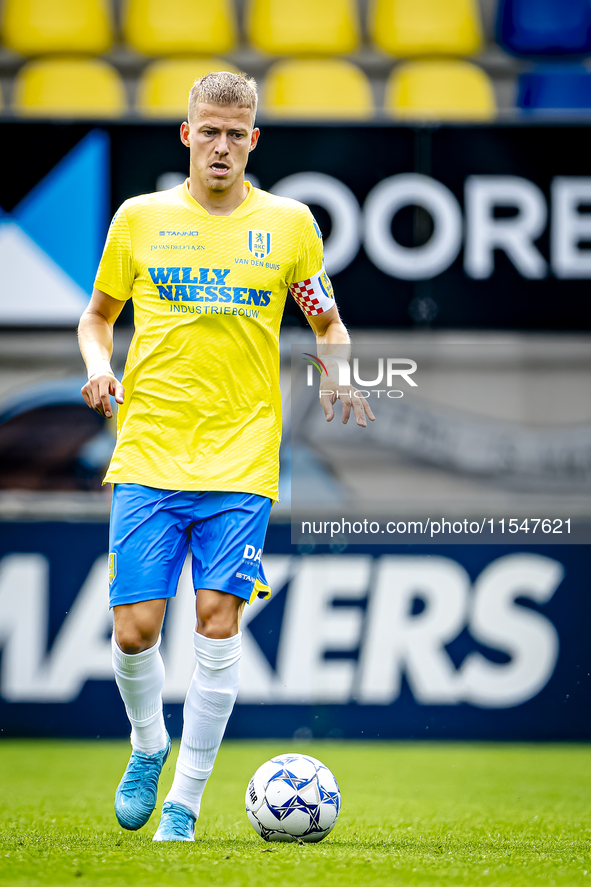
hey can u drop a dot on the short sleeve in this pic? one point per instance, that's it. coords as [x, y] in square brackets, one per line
[115, 273]
[311, 286]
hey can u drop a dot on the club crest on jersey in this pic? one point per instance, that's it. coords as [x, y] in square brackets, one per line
[259, 244]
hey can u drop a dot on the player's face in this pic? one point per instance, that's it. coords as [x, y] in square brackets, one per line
[220, 139]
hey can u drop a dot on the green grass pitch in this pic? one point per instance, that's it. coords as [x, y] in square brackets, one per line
[422, 814]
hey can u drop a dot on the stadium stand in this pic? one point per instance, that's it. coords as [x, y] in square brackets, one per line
[168, 27]
[555, 87]
[307, 27]
[440, 89]
[69, 87]
[33, 27]
[425, 27]
[446, 88]
[496, 35]
[164, 85]
[317, 88]
[549, 29]
[544, 27]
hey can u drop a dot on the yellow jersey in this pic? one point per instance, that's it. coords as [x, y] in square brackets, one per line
[202, 407]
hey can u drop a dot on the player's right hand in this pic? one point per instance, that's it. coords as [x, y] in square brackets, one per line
[98, 390]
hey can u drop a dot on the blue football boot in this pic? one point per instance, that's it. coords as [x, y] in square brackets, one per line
[176, 824]
[136, 794]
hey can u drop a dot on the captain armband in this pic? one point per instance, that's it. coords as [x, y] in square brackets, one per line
[314, 295]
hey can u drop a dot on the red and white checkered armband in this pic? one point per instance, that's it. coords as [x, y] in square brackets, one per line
[314, 295]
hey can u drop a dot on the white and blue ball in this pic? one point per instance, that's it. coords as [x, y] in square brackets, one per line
[293, 798]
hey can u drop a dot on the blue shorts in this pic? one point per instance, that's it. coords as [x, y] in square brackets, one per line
[151, 531]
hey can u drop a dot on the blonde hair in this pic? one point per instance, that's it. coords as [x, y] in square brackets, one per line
[224, 88]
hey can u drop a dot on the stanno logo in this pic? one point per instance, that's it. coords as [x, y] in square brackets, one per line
[259, 244]
[178, 233]
[245, 576]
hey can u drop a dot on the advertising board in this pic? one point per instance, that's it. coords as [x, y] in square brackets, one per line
[446, 226]
[469, 641]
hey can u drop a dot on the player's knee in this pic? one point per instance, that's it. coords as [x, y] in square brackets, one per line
[129, 646]
[218, 626]
[137, 626]
[135, 638]
[217, 622]
[218, 614]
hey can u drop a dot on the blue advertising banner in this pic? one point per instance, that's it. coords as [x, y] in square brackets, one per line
[473, 641]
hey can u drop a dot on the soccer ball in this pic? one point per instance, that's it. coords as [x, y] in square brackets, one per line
[293, 798]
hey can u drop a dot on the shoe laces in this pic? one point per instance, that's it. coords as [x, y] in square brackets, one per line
[178, 820]
[141, 769]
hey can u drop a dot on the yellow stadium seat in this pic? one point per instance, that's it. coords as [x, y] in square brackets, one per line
[317, 88]
[440, 90]
[303, 27]
[67, 87]
[163, 88]
[426, 27]
[168, 27]
[41, 26]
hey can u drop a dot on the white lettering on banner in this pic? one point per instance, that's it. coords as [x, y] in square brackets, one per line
[419, 262]
[398, 643]
[81, 650]
[391, 640]
[528, 637]
[338, 200]
[312, 626]
[23, 625]
[570, 227]
[515, 235]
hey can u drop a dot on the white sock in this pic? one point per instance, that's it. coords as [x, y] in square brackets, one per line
[208, 705]
[140, 678]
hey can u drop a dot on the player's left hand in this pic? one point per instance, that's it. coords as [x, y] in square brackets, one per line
[351, 399]
[99, 389]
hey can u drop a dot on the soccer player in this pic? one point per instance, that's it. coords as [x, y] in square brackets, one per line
[208, 265]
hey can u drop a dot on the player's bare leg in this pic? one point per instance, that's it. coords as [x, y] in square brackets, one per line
[210, 699]
[137, 626]
[139, 672]
[218, 613]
